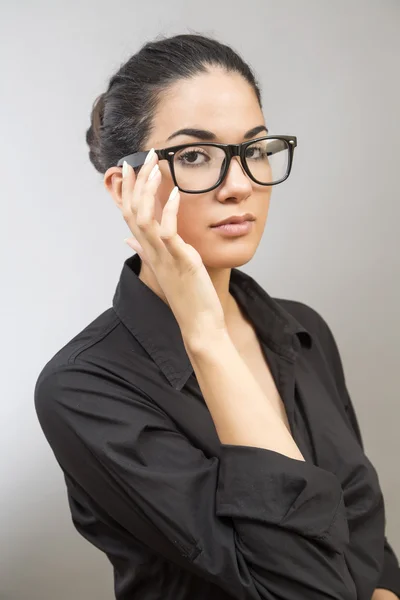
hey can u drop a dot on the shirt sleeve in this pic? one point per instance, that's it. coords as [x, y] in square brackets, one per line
[390, 576]
[254, 522]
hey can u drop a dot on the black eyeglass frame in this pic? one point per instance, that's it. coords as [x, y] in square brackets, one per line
[137, 158]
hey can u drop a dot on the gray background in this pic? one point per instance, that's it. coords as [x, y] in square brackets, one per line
[330, 75]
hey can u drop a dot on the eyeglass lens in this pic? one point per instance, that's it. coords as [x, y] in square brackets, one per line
[199, 167]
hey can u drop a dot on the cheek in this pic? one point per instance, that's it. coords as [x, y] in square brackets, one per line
[264, 208]
[189, 223]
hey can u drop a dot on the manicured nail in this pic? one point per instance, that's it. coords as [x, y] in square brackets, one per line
[125, 169]
[174, 193]
[149, 156]
[154, 171]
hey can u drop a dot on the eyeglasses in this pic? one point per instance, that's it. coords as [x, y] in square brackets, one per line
[199, 168]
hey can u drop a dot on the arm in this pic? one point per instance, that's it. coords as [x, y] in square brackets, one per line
[389, 584]
[256, 523]
[225, 380]
[382, 594]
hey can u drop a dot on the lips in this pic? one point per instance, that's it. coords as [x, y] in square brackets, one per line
[235, 219]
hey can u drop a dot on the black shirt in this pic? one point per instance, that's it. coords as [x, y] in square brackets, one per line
[182, 516]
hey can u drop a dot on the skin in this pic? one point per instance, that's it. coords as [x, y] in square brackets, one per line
[225, 104]
[381, 594]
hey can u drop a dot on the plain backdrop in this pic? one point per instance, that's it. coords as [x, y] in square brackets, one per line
[329, 73]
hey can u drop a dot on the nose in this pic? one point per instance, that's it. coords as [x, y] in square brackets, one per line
[236, 185]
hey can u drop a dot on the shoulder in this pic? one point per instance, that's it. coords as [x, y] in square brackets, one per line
[94, 373]
[74, 366]
[81, 343]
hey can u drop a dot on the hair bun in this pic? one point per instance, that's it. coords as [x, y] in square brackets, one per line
[93, 134]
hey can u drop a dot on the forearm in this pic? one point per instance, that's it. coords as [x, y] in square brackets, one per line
[381, 594]
[241, 412]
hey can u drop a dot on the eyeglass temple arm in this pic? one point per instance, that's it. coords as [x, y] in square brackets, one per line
[135, 160]
[276, 146]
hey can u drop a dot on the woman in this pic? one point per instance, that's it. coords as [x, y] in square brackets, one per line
[208, 442]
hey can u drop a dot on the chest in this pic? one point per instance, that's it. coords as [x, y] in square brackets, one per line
[252, 354]
[255, 360]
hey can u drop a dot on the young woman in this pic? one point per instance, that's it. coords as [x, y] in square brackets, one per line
[207, 438]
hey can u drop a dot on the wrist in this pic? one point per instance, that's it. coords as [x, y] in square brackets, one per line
[207, 343]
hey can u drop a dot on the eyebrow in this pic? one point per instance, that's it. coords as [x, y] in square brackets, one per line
[205, 135]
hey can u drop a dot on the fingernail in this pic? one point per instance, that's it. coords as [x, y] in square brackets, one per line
[125, 169]
[154, 172]
[149, 156]
[174, 193]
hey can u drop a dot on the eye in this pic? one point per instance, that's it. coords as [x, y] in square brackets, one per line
[256, 152]
[193, 157]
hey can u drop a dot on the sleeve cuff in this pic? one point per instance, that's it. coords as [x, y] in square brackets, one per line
[266, 486]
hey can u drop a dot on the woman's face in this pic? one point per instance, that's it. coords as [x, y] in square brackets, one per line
[226, 105]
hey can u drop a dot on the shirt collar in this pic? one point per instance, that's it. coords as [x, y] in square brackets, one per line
[153, 324]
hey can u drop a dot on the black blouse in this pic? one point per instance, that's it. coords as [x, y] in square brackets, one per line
[182, 516]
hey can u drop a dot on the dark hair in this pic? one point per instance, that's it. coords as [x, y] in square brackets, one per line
[121, 118]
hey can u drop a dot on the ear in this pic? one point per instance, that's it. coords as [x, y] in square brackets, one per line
[113, 184]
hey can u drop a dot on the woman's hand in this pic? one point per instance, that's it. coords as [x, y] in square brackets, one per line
[177, 266]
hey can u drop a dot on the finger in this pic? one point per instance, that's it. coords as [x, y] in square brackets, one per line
[134, 244]
[168, 227]
[136, 247]
[145, 205]
[129, 191]
[143, 176]
[131, 186]
[148, 226]
[127, 187]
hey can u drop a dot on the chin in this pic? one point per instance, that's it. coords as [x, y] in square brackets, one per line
[229, 257]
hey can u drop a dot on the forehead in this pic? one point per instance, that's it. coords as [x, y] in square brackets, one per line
[224, 103]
